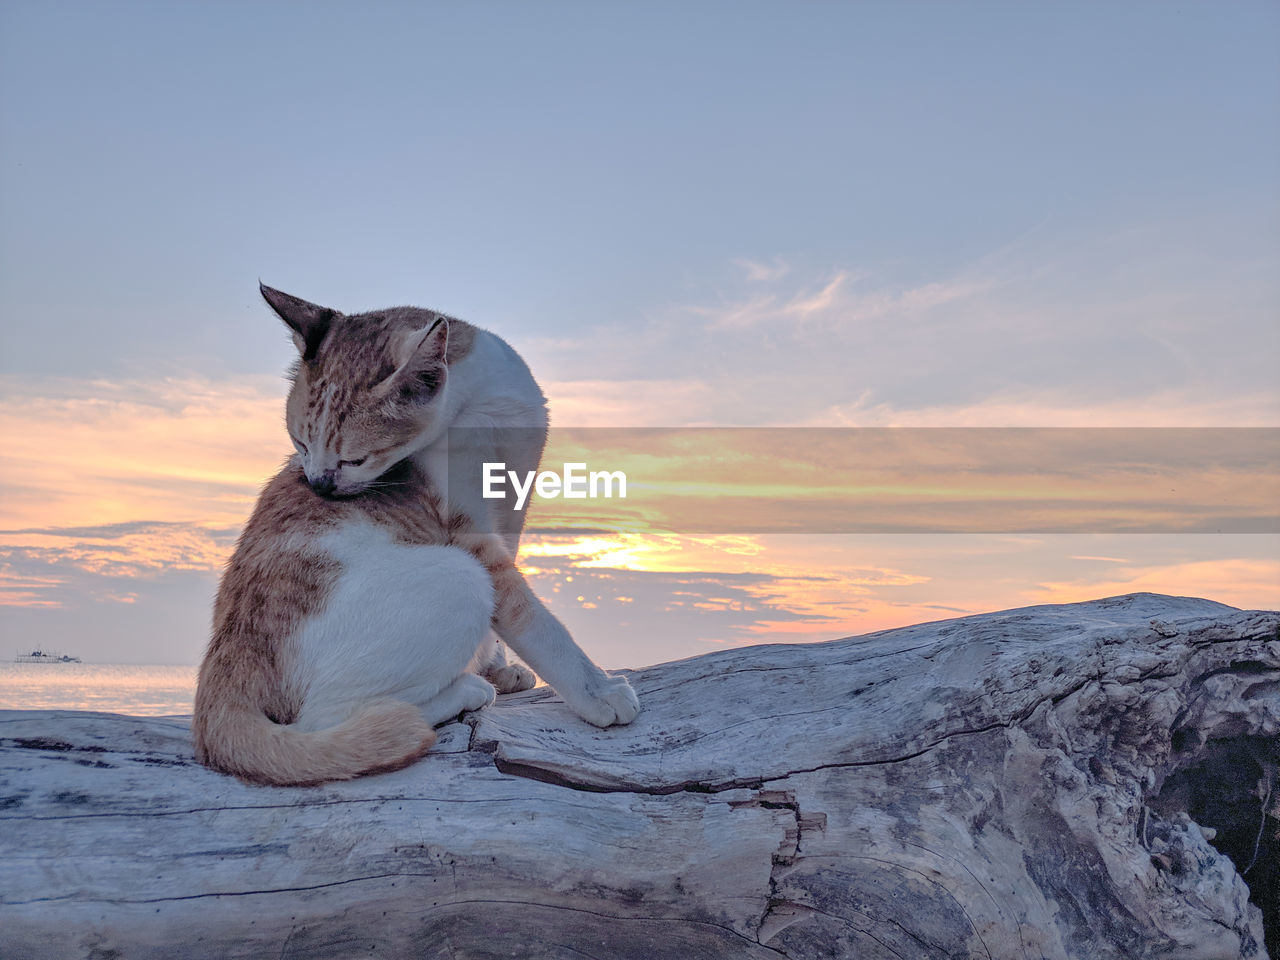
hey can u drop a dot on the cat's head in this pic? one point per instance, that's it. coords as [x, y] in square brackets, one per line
[368, 389]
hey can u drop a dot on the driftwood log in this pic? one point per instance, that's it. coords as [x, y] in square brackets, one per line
[1045, 782]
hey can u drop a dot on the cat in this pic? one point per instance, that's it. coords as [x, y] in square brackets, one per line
[359, 608]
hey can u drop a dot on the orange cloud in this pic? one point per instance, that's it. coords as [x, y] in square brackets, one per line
[96, 452]
[1250, 583]
[19, 589]
[796, 480]
[125, 481]
[122, 550]
[625, 403]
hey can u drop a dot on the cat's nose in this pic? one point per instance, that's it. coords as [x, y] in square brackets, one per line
[325, 484]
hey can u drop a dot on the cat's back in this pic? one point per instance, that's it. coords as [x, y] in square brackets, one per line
[490, 378]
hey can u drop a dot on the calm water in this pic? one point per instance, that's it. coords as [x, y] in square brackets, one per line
[138, 689]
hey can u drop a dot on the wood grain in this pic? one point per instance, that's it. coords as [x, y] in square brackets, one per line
[997, 786]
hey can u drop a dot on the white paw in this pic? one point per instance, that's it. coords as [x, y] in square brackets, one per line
[476, 692]
[513, 678]
[610, 701]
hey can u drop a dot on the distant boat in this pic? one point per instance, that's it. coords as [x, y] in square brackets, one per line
[45, 656]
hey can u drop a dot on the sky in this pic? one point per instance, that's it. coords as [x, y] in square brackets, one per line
[682, 215]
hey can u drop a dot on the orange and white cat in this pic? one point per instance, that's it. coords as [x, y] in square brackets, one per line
[359, 608]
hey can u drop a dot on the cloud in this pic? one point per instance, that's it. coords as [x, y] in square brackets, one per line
[126, 550]
[95, 452]
[1056, 407]
[57, 567]
[776, 480]
[125, 491]
[762, 308]
[834, 303]
[669, 597]
[627, 403]
[21, 589]
[1133, 329]
[757, 272]
[683, 591]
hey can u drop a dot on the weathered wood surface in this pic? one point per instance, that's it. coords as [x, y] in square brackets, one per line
[1003, 786]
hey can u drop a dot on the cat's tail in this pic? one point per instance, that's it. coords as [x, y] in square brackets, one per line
[383, 735]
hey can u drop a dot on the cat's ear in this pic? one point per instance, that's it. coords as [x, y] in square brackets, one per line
[421, 369]
[308, 321]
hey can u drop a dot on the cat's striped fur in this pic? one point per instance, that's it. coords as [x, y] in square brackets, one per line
[355, 613]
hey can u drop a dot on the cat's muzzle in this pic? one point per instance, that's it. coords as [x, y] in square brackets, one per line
[326, 484]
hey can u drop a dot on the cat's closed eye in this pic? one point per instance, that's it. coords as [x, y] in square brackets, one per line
[302, 447]
[352, 463]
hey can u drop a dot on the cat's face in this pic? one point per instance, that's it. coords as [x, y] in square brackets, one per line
[367, 391]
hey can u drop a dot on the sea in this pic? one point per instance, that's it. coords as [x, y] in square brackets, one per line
[141, 690]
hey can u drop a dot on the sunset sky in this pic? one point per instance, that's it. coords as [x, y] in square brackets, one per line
[682, 215]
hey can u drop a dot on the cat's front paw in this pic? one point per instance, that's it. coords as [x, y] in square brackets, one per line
[608, 702]
[475, 693]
